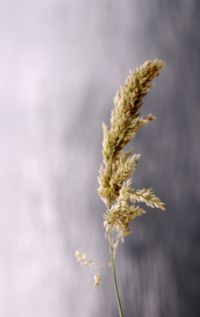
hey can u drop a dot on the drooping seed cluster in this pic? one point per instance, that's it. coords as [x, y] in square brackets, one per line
[83, 259]
[115, 174]
[118, 166]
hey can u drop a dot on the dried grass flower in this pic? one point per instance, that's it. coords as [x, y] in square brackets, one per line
[122, 200]
[119, 164]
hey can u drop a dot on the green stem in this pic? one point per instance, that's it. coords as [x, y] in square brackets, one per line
[119, 305]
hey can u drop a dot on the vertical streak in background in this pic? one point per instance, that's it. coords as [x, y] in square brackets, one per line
[61, 63]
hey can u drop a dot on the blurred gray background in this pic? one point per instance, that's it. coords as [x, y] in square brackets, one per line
[61, 63]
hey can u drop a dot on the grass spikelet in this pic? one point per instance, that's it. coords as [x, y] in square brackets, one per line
[83, 259]
[147, 196]
[97, 280]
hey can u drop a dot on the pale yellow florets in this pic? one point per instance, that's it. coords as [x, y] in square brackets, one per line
[83, 259]
[147, 196]
[96, 280]
[115, 184]
[114, 175]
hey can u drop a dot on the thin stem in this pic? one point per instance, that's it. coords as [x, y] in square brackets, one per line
[119, 305]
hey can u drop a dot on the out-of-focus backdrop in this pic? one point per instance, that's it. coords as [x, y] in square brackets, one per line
[61, 63]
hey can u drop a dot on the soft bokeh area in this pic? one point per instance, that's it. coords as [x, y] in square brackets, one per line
[61, 63]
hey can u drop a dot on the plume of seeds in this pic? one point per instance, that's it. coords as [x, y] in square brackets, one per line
[118, 165]
[115, 183]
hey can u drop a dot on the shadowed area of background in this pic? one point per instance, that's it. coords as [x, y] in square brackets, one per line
[61, 64]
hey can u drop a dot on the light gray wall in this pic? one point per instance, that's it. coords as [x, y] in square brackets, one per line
[60, 65]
